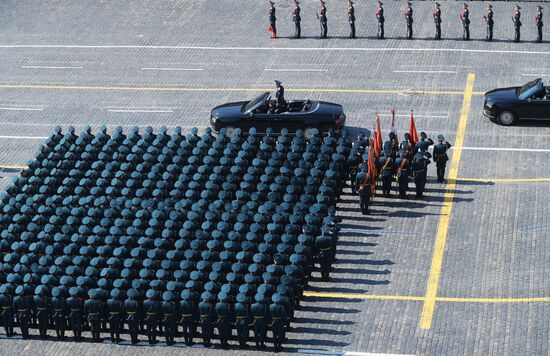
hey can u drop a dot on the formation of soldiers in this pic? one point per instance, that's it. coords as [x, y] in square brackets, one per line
[158, 234]
[464, 17]
[401, 162]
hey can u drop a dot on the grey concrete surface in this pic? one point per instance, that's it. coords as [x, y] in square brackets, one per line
[496, 242]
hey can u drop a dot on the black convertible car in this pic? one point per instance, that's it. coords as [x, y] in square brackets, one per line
[507, 105]
[260, 113]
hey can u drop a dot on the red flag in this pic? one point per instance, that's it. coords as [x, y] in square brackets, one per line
[377, 138]
[393, 129]
[412, 131]
[372, 168]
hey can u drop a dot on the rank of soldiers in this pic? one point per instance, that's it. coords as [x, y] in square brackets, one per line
[169, 235]
[464, 18]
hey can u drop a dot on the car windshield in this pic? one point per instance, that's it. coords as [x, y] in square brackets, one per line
[255, 103]
[529, 89]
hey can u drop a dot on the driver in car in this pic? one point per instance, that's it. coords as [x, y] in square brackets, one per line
[280, 95]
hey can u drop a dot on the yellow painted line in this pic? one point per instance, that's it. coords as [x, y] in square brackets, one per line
[183, 89]
[504, 180]
[495, 300]
[441, 236]
[418, 298]
[13, 167]
[362, 296]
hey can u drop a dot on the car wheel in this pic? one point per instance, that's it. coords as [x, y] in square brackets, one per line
[506, 118]
[229, 131]
[308, 132]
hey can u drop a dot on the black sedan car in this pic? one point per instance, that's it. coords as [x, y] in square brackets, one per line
[507, 105]
[261, 114]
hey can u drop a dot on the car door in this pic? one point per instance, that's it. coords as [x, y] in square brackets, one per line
[535, 108]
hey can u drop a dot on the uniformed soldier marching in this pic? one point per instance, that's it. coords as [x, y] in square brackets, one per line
[381, 19]
[59, 312]
[132, 313]
[74, 304]
[516, 19]
[151, 310]
[207, 314]
[322, 16]
[420, 168]
[242, 319]
[114, 312]
[351, 19]
[437, 20]
[296, 18]
[42, 310]
[272, 20]
[170, 310]
[362, 182]
[92, 310]
[465, 18]
[402, 164]
[490, 22]
[188, 316]
[22, 310]
[538, 22]
[6, 314]
[323, 244]
[440, 157]
[409, 20]
[386, 169]
[278, 317]
[224, 318]
[259, 315]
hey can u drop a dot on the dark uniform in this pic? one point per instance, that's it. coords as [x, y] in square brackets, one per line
[272, 20]
[386, 173]
[323, 19]
[259, 315]
[409, 20]
[516, 19]
[280, 95]
[538, 22]
[59, 312]
[278, 315]
[296, 18]
[114, 312]
[351, 19]
[402, 166]
[133, 314]
[188, 316]
[170, 312]
[152, 310]
[74, 304]
[381, 19]
[206, 314]
[92, 310]
[437, 20]
[6, 313]
[363, 184]
[42, 310]
[440, 157]
[22, 310]
[465, 18]
[324, 246]
[224, 317]
[490, 22]
[420, 169]
[242, 322]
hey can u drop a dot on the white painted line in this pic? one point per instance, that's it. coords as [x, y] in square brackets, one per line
[140, 111]
[295, 49]
[22, 109]
[357, 353]
[174, 69]
[49, 67]
[345, 353]
[320, 352]
[294, 70]
[426, 71]
[25, 137]
[535, 75]
[503, 149]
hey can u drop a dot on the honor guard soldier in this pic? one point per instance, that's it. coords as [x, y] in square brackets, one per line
[538, 22]
[272, 20]
[278, 317]
[437, 20]
[380, 18]
[440, 157]
[322, 16]
[22, 311]
[132, 313]
[259, 314]
[386, 168]
[490, 22]
[59, 312]
[92, 310]
[42, 310]
[224, 318]
[516, 19]
[74, 303]
[242, 322]
[465, 18]
[114, 312]
[151, 310]
[6, 314]
[170, 310]
[351, 19]
[207, 313]
[409, 20]
[420, 168]
[402, 173]
[188, 316]
[324, 247]
[296, 18]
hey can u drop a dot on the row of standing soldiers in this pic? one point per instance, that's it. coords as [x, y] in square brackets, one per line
[400, 162]
[408, 14]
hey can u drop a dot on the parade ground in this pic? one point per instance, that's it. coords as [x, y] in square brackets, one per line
[461, 271]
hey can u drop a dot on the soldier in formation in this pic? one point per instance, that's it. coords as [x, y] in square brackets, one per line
[322, 16]
[380, 19]
[516, 19]
[465, 18]
[437, 20]
[539, 23]
[488, 17]
[297, 19]
[351, 19]
[409, 20]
